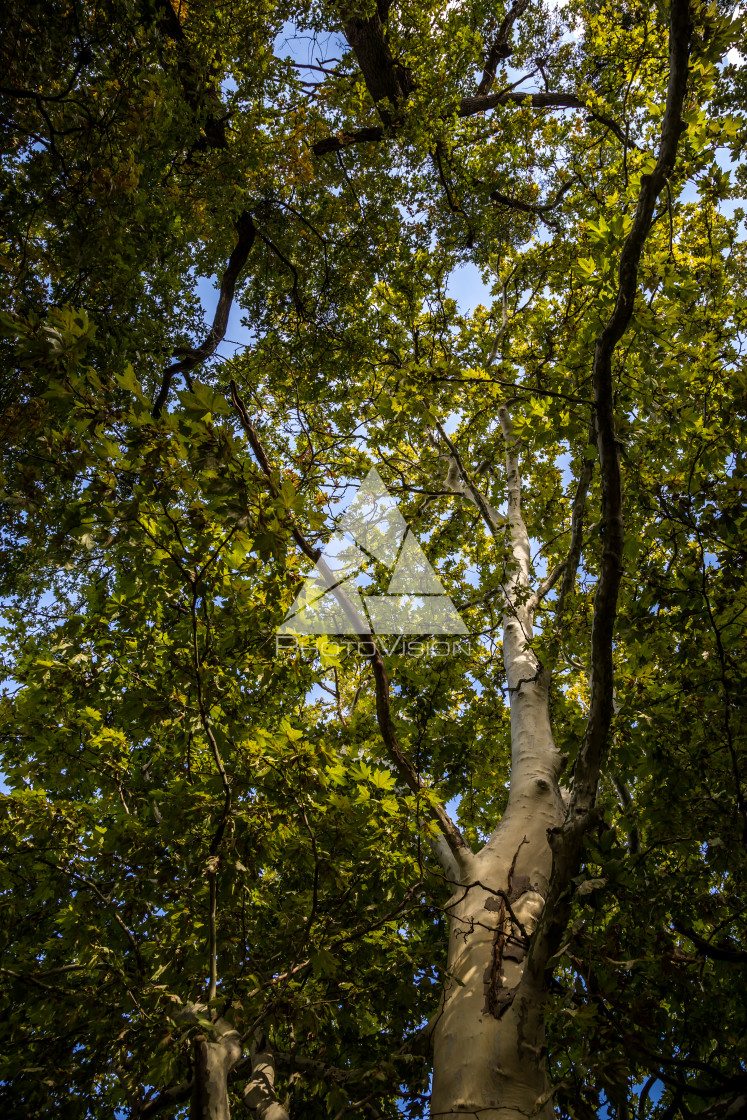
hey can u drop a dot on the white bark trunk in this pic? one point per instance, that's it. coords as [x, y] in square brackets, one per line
[214, 1058]
[259, 1093]
[489, 1044]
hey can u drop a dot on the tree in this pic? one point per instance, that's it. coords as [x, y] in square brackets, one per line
[353, 879]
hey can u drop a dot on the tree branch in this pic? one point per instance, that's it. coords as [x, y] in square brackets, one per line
[519, 535]
[537, 208]
[237, 260]
[82, 58]
[197, 90]
[467, 107]
[213, 938]
[487, 512]
[346, 139]
[577, 533]
[174, 1095]
[722, 952]
[259, 1092]
[500, 48]
[28, 978]
[386, 80]
[517, 527]
[297, 301]
[566, 841]
[568, 566]
[108, 902]
[729, 1108]
[605, 603]
[458, 848]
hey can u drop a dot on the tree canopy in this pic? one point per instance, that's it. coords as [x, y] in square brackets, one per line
[209, 837]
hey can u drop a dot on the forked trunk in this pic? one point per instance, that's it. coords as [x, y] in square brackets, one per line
[214, 1059]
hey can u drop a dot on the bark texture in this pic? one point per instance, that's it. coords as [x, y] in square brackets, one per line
[489, 1042]
[259, 1093]
[213, 1059]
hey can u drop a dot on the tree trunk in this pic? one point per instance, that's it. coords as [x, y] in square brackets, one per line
[213, 1061]
[259, 1093]
[489, 1040]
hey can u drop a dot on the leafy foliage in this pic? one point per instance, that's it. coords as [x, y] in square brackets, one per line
[162, 760]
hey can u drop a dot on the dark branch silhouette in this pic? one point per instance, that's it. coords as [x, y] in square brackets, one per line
[247, 234]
